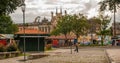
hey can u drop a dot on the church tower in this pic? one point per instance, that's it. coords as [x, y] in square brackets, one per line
[65, 12]
[56, 11]
[51, 14]
[61, 10]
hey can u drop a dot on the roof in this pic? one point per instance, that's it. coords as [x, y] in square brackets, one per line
[31, 31]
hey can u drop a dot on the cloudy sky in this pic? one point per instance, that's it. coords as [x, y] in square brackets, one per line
[43, 8]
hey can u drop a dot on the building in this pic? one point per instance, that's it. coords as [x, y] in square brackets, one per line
[56, 17]
[117, 28]
[32, 37]
[44, 25]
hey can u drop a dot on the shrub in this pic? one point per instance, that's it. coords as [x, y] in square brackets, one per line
[11, 48]
[2, 48]
[48, 46]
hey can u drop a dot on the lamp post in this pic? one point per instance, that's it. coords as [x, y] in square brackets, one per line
[23, 10]
[38, 35]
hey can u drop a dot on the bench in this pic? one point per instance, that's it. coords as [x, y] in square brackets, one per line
[37, 55]
[14, 54]
[2, 56]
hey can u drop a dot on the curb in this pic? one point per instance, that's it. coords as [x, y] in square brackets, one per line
[110, 60]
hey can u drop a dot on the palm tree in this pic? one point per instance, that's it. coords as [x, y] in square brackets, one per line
[111, 5]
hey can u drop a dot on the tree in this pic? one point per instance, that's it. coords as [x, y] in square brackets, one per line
[64, 25]
[79, 25]
[55, 32]
[105, 20]
[99, 26]
[6, 25]
[76, 24]
[111, 5]
[95, 26]
[8, 6]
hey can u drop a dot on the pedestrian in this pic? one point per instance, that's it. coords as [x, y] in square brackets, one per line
[113, 42]
[76, 45]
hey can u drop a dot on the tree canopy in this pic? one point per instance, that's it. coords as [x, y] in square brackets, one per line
[63, 25]
[109, 5]
[72, 23]
[8, 6]
[80, 25]
[105, 22]
[6, 25]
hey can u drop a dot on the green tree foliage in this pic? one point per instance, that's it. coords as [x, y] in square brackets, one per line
[6, 25]
[55, 32]
[79, 25]
[8, 6]
[63, 26]
[105, 20]
[95, 24]
[109, 5]
[76, 24]
[99, 26]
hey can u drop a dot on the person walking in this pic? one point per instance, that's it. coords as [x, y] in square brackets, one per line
[76, 45]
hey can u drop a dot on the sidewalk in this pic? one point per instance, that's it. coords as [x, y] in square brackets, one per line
[114, 55]
[64, 56]
[18, 59]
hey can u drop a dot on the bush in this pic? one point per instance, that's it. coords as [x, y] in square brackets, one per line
[48, 46]
[11, 48]
[2, 48]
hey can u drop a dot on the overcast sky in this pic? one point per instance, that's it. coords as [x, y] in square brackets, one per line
[43, 8]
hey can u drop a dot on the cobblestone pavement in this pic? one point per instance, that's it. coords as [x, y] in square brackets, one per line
[64, 56]
[114, 55]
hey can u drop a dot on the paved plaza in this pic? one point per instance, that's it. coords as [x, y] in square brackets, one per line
[85, 55]
[114, 55]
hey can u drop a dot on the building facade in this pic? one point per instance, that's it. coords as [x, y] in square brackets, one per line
[44, 25]
[117, 28]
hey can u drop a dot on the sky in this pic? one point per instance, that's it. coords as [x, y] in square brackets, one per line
[43, 9]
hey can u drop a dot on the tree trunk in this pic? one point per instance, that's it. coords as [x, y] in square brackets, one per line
[77, 36]
[66, 40]
[102, 40]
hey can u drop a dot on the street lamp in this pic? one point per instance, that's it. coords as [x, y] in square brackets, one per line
[38, 33]
[23, 10]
